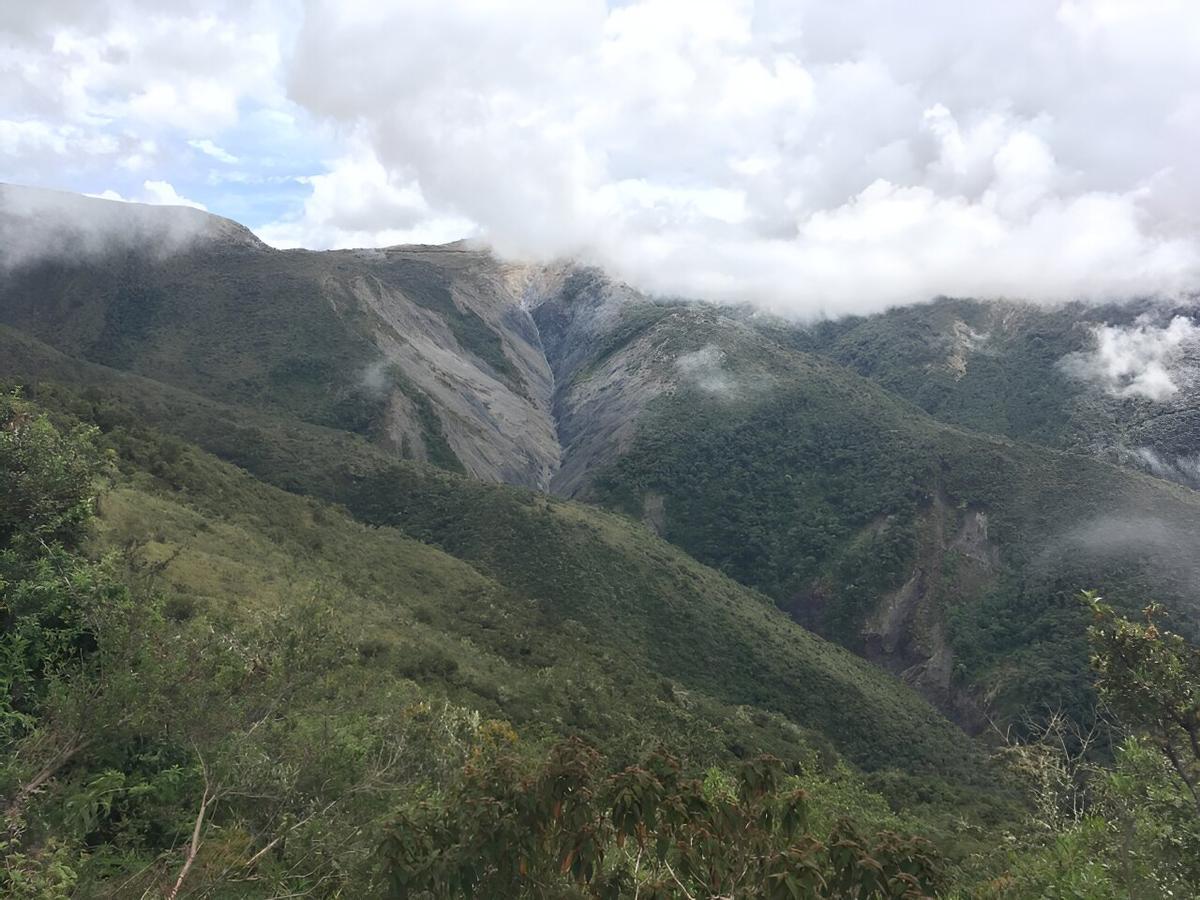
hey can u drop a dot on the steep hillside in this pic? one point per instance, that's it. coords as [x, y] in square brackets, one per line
[425, 351]
[602, 630]
[217, 688]
[826, 466]
[1039, 374]
[950, 557]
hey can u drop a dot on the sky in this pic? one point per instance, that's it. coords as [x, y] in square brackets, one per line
[813, 157]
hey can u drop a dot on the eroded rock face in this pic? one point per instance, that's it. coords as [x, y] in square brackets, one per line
[512, 359]
[451, 321]
[598, 396]
[907, 631]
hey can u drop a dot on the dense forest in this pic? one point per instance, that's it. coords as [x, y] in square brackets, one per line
[157, 746]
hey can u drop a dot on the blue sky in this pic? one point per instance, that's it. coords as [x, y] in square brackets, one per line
[808, 155]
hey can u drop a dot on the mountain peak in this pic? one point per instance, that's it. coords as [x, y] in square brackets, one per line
[38, 224]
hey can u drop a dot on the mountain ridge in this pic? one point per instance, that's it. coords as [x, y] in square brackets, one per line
[804, 461]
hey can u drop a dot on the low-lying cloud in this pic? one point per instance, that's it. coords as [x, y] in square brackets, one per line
[37, 225]
[813, 157]
[816, 158]
[704, 369]
[1141, 360]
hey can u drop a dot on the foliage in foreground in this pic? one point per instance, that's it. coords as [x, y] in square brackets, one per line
[647, 830]
[1128, 827]
[139, 754]
[147, 753]
[143, 751]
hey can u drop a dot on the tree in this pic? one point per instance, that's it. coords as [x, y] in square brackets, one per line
[1150, 679]
[47, 479]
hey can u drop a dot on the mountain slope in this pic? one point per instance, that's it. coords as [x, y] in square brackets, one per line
[948, 556]
[604, 631]
[1038, 373]
[426, 351]
[951, 557]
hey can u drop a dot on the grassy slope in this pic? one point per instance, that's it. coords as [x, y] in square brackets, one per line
[280, 332]
[240, 323]
[775, 486]
[551, 614]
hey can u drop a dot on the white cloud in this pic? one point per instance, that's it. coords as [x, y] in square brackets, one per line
[156, 193]
[161, 193]
[208, 148]
[88, 88]
[358, 203]
[812, 156]
[1141, 360]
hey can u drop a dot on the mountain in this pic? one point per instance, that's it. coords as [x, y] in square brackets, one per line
[259, 356]
[928, 487]
[425, 350]
[321, 571]
[1030, 372]
[950, 556]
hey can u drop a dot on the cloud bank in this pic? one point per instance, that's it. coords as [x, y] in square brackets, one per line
[1141, 360]
[39, 225]
[813, 157]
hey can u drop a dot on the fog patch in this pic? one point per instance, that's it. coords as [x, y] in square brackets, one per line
[1143, 360]
[1182, 469]
[376, 378]
[704, 369]
[38, 225]
[1116, 535]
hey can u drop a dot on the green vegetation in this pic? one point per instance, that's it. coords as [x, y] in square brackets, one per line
[216, 688]
[438, 451]
[828, 494]
[1115, 811]
[252, 649]
[239, 643]
[594, 582]
[997, 367]
[647, 830]
[283, 334]
[1008, 381]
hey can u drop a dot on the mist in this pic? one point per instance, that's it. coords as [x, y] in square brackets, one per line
[39, 225]
[1132, 537]
[1183, 469]
[1143, 360]
[704, 369]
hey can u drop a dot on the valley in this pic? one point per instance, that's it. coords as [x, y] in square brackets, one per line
[536, 495]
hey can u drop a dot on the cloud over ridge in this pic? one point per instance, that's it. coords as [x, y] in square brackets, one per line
[814, 157]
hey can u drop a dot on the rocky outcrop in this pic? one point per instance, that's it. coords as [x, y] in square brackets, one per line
[450, 320]
[906, 633]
